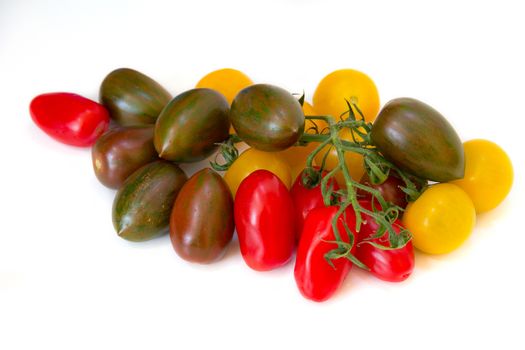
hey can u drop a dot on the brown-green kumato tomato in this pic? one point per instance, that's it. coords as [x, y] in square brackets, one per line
[132, 98]
[142, 206]
[201, 223]
[419, 140]
[267, 117]
[190, 126]
[121, 151]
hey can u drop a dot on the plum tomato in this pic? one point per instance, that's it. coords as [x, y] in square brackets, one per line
[69, 118]
[441, 219]
[488, 174]
[316, 279]
[263, 212]
[392, 265]
[390, 189]
[305, 199]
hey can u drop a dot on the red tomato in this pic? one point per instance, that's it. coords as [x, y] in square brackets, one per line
[263, 212]
[390, 189]
[306, 199]
[389, 265]
[316, 279]
[69, 118]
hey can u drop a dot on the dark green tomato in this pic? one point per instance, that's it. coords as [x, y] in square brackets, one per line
[267, 117]
[121, 151]
[191, 125]
[132, 98]
[201, 223]
[142, 206]
[419, 140]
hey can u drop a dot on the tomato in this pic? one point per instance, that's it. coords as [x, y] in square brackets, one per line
[390, 189]
[296, 156]
[392, 265]
[132, 98]
[305, 199]
[121, 151]
[441, 219]
[201, 221]
[267, 117]
[314, 276]
[263, 212]
[69, 118]
[354, 161]
[488, 174]
[346, 84]
[419, 140]
[202, 114]
[227, 81]
[252, 160]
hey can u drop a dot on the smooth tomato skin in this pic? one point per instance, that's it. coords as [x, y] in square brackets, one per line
[227, 81]
[488, 174]
[69, 118]
[263, 212]
[315, 278]
[305, 199]
[441, 219]
[394, 265]
[251, 160]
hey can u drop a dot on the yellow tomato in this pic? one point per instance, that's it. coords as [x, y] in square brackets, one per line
[252, 160]
[354, 161]
[346, 84]
[227, 81]
[296, 156]
[441, 219]
[488, 174]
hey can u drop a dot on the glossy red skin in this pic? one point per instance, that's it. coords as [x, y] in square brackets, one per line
[306, 199]
[263, 212]
[389, 265]
[390, 189]
[315, 278]
[69, 118]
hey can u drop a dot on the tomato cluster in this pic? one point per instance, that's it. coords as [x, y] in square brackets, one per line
[340, 182]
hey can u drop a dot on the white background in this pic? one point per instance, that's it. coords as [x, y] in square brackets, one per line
[68, 282]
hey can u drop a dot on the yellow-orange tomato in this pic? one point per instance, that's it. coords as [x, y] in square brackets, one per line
[488, 174]
[227, 81]
[441, 219]
[354, 161]
[253, 159]
[296, 156]
[346, 84]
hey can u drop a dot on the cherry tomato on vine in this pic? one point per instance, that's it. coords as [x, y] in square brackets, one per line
[392, 265]
[488, 174]
[69, 118]
[390, 189]
[441, 219]
[263, 212]
[227, 81]
[352, 85]
[296, 156]
[314, 276]
[305, 199]
[252, 160]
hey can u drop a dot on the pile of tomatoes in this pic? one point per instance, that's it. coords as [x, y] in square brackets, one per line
[340, 182]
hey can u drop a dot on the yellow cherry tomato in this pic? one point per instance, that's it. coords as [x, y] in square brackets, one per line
[296, 156]
[252, 160]
[227, 81]
[441, 219]
[354, 161]
[488, 174]
[352, 85]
